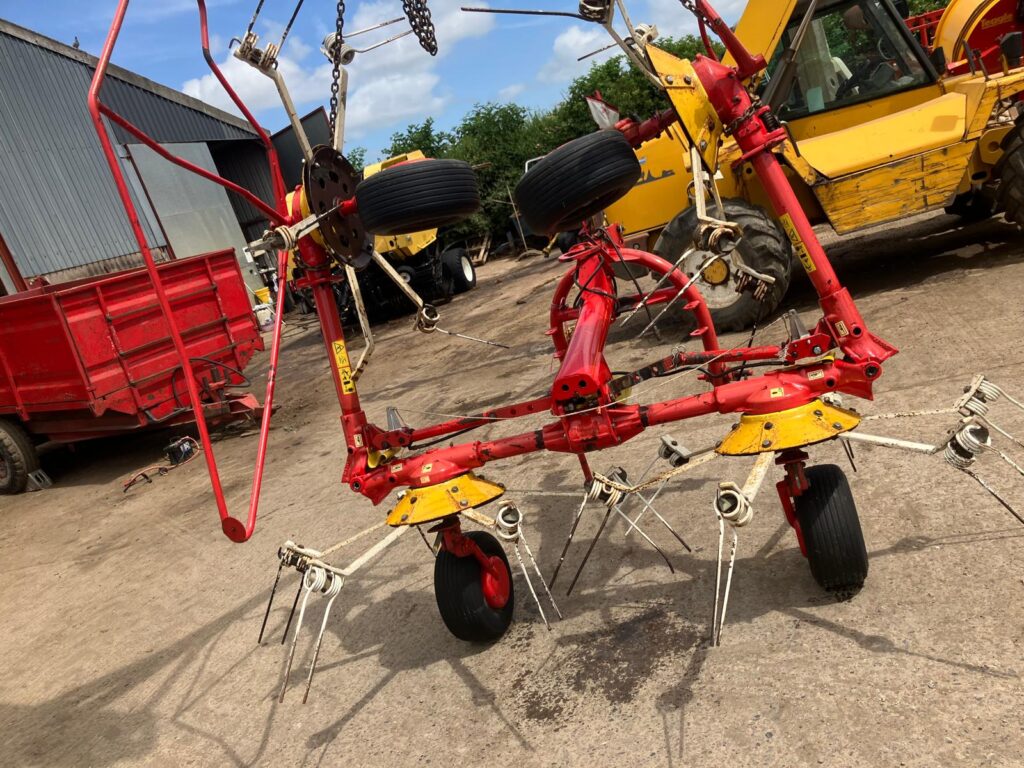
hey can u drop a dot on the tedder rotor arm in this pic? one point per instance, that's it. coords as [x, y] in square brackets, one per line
[235, 529]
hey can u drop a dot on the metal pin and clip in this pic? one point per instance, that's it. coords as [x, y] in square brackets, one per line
[316, 575]
[734, 505]
[428, 317]
[508, 525]
[967, 441]
[609, 491]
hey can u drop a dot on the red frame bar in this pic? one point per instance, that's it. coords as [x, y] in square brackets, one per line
[235, 529]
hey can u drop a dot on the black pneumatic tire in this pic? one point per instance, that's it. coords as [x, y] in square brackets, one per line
[576, 181]
[18, 457]
[1010, 175]
[460, 598]
[460, 269]
[831, 531]
[764, 247]
[418, 195]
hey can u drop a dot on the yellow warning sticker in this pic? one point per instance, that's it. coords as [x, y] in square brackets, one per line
[348, 386]
[798, 244]
[777, 392]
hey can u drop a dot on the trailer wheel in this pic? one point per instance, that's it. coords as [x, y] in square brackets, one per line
[764, 247]
[460, 593]
[831, 531]
[460, 270]
[576, 181]
[18, 458]
[417, 195]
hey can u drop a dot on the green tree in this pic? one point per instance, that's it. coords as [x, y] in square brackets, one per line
[620, 84]
[923, 6]
[422, 136]
[357, 157]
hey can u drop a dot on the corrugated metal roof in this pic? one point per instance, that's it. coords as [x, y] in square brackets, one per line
[59, 207]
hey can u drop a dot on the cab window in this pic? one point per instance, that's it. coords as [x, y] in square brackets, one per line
[853, 51]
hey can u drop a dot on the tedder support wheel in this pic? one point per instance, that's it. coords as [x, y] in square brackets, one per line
[831, 531]
[460, 269]
[576, 181]
[417, 195]
[18, 458]
[460, 592]
[764, 247]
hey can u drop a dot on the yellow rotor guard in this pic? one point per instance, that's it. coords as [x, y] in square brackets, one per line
[797, 427]
[434, 502]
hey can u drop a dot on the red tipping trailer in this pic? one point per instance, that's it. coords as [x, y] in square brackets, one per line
[94, 357]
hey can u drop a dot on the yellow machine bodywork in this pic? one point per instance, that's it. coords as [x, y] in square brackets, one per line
[852, 167]
[401, 246]
[436, 502]
[797, 427]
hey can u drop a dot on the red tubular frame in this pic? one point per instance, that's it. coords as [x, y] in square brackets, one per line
[235, 529]
[588, 416]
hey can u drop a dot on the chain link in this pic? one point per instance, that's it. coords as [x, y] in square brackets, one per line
[419, 19]
[336, 72]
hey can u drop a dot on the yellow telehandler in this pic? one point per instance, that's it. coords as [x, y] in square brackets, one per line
[882, 127]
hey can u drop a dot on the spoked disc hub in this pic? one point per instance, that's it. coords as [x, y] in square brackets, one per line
[328, 179]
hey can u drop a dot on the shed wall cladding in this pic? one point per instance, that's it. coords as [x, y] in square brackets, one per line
[245, 163]
[59, 208]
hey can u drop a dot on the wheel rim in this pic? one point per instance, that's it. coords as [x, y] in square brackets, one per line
[495, 583]
[717, 296]
[467, 268]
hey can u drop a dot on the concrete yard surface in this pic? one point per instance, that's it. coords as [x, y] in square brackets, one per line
[129, 621]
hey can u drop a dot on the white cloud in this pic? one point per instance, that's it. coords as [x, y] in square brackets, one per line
[672, 20]
[509, 92]
[386, 86]
[568, 47]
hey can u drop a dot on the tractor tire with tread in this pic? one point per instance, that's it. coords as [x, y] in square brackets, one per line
[1010, 175]
[18, 458]
[832, 532]
[576, 181]
[417, 195]
[460, 270]
[459, 593]
[764, 247]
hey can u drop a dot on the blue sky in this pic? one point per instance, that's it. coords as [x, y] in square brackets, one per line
[481, 58]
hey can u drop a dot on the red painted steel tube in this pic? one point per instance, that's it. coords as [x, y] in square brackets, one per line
[735, 108]
[277, 180]
[747, 64]
[584, 370]
[235, 529]
[269, 212]
[504, 413]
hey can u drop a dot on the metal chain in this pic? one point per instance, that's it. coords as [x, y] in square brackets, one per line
[419, 19]
[336, 71]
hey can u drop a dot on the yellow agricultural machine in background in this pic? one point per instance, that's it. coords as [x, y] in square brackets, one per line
[435, 271]
[885, 122]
